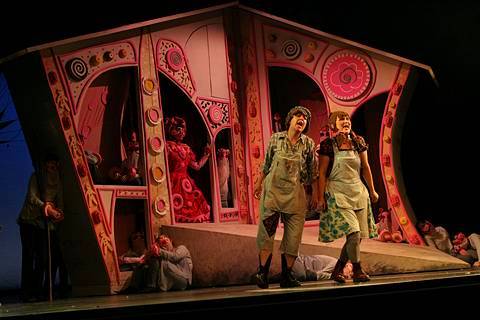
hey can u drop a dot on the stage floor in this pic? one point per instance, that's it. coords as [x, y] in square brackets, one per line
[246, 298]
[225, 257]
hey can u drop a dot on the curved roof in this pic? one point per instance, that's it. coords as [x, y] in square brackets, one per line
[263, 14]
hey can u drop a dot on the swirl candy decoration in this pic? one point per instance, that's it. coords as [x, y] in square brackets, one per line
[175, 59]
[291, 49]
[215, 113]
[77, 69]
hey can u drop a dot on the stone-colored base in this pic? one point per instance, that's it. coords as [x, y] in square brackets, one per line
[226, 254]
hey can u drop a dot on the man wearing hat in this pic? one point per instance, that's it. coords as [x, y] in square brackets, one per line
[288, 166]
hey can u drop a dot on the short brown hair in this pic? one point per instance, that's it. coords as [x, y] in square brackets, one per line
[332, 119]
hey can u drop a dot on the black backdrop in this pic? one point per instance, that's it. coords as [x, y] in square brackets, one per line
[440, 137]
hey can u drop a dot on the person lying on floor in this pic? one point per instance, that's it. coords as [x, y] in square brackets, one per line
[314, 268]
[462, 247]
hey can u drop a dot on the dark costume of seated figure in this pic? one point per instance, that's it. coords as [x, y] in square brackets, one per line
[136, 252]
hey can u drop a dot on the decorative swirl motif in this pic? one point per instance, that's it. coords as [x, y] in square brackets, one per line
[215, 114]
[186, 185]
[77, 69]
[346, 76]
[177, 201]
[291, 49]
[175, 59]
[172, 61]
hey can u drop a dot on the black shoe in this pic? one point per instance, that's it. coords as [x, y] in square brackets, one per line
[289, 282]
[337, 274]
[261, 280]
[358, 274]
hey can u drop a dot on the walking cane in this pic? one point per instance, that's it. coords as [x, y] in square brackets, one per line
[50, 284]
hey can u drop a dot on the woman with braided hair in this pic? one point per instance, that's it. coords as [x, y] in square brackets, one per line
[344, 200]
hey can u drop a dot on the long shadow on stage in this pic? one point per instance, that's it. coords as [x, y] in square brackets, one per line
[403, 292]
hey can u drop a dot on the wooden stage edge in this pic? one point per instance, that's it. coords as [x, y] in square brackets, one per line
[404, 290]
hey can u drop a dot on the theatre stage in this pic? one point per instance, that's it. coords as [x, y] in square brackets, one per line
[225, 257]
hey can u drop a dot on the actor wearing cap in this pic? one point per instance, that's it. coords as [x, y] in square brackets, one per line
[288, 166]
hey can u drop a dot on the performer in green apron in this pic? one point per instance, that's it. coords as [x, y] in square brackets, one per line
[288, 166]
[343, 198]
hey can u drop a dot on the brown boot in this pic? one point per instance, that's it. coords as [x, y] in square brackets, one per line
[358, 274]
[337, 274]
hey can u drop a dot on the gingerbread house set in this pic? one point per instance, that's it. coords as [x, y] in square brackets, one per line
[166, 122]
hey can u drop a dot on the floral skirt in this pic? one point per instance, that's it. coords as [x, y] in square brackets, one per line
[336, 222]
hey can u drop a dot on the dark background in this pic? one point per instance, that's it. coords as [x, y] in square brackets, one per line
[440, 139]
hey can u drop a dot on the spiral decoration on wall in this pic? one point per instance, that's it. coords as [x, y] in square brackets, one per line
[172, 62]
[77, 69]
[175, 59]
[346, 75]
[215, 113]
[291, 49]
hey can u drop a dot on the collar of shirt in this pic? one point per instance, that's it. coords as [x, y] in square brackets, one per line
[283, 135]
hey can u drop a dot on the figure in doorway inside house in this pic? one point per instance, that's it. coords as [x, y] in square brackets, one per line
[129, 172]
[38, 221]
[133, 154]
[277, 122]
[289, 166]
[385, 228]
[223, 168]
[343, 197]
[189, 203]
[462, 247]
[324, 133]
[94, 160]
